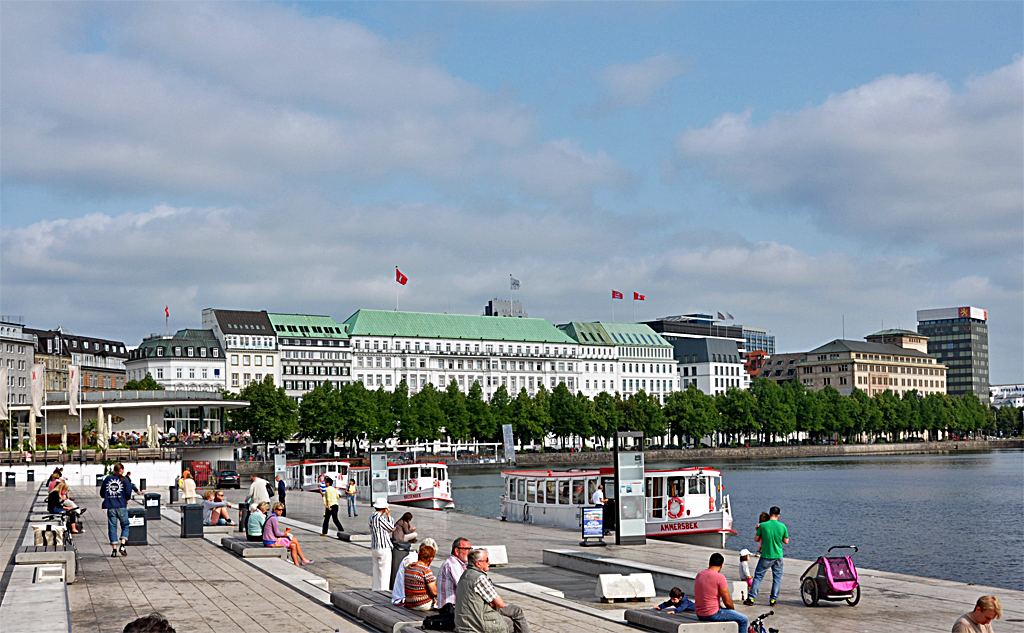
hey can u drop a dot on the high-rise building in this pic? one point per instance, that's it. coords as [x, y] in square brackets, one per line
[501, 308]
[958, 338]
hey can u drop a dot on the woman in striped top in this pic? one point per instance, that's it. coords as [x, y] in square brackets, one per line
[420, 585]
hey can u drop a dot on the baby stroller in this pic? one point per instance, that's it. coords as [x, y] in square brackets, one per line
[831, 578]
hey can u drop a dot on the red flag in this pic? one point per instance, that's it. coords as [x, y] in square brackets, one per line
[167, 311]
[616, 294]
[400, 278]
[637, 296]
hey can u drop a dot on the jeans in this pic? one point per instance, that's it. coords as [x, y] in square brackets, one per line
[331, 513]
[727, 615]
[763, 565]
[114, 516]
[352, 506]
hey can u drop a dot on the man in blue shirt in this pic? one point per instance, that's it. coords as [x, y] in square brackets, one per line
[116, 492]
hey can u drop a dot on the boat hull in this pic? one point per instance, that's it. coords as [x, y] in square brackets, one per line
[427, 500]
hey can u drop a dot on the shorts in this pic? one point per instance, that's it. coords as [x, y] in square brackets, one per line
[281, 542]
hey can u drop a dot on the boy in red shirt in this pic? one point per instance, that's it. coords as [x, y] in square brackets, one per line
[708, 588]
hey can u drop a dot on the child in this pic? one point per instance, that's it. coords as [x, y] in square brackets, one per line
[761, 519]
[745, 567]
[677, 602]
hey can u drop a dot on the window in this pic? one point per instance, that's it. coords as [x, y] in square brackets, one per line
[191, 372]
[234, 380]
[246, 379]
[258, 360]
[159, 372]
[204, 372]
[245, 360]
[177, 372]
[234, 359]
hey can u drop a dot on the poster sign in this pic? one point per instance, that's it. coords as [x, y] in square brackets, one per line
[510, 446]
[136, 521]
[593, 522]
[281, 466]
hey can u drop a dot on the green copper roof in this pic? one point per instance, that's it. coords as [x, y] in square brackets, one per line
[893, 333]
[453, 326]
[306, 325]
[611, 333]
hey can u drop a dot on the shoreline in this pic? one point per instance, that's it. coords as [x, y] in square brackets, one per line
[759, 452]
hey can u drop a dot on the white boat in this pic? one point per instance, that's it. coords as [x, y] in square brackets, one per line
[424, 485]
[307, 475]
[685, 505]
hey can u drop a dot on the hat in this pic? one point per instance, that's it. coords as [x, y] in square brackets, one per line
[744, 552]
[380, 504]
[429, 542]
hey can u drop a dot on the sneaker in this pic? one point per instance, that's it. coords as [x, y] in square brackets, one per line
[771, 603]
[113, 553]
[308, 562]
[749, 602]
[323, 535]
[122, 550]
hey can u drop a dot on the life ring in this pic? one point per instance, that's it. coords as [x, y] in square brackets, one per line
[412, 485]
[711, 504]
[437, 484]
[675, 515]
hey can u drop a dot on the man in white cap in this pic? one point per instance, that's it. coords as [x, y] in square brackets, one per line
[381, 527]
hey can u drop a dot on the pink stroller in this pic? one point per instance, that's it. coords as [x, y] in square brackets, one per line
[831, 578]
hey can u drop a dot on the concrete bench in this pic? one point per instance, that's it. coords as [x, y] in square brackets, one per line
[252, 549]
[375, 609]
[34, 602]
[353, 537]
[38, 554]
[675, 623]
[219, 529]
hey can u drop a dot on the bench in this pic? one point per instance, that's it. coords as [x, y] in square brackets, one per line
[35, 602]
[375, 609]
[39, 554]
[352, 537]
[675, 623]
[252, 549]
[219, 529]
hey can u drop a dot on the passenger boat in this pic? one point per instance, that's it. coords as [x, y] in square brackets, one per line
[687, 505]
[307, 475]
[424, 485]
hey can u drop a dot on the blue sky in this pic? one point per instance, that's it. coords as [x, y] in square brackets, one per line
[791, 163]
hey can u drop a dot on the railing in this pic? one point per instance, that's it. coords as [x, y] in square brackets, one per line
[61, 397]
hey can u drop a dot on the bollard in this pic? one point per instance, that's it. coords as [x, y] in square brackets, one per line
[142, 484]
[30, 475]
[10, 479]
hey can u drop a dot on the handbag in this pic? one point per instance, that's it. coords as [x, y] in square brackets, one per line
[404, 546]
[443, 621]
[270, 490]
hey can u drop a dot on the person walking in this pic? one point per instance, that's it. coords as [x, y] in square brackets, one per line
[281, 490]
[772, 535]
[259, 491]
[188, 487]
[711, 598]
[381, 527]
[350, 496]
[331, 497]
[115, 493]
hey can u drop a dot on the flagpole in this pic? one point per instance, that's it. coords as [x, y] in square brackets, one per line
[634, 307]
[613, 308]
[396, 288]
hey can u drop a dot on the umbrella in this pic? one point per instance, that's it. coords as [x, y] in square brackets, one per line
[64, 439]
[101, 431]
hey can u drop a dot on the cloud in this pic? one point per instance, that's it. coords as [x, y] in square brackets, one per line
[902, 160]
[241, 101]
[626, 86]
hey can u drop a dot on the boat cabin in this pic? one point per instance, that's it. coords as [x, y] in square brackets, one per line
[675, 494]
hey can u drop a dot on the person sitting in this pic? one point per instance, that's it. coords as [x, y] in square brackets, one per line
[404, 533]
[709, 587]
[254, 527]
[59, 500]
[215, 512]
[677, 602]
[398, 591]
[274, 537]
[420, 584]
[478, 607]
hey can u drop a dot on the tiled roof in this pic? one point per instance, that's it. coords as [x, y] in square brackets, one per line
[842, 345]
[184, 339]
[453, 326]
[245, 322]
[612, 333]
[306, 325]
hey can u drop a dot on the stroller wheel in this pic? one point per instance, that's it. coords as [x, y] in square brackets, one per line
[855, 599]
[809, 592]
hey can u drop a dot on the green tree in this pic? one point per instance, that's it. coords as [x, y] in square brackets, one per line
[585, 420]
[736, 408]
[525, 419]
[565, 414]
[606, 417]
[541, 413]
[271, 416]
[146, 384]
[773, 410]
[399, 406]
[384, 423]
[500, 408]
[481, 421]
[691, 414]
[809, 415]
[358, 412]
[453, 404]
[426, 419]
[320, 414]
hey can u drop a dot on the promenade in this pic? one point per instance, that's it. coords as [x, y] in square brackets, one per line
[200, 586]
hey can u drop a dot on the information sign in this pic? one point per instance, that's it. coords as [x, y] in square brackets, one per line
[593, 522]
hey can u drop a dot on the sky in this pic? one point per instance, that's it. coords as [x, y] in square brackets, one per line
[809, 168]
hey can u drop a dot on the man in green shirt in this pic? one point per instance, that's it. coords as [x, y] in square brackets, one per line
[772, 535]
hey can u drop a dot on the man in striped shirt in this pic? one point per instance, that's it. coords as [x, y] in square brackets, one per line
[381, 526]
[451, 571]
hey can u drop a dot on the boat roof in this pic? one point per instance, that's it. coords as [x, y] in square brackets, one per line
[551, 473]
[698, 469]
[390, 464]
[324, 462]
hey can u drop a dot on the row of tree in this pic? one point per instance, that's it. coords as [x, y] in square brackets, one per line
[766, 412]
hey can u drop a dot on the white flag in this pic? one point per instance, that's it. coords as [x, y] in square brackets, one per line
[38, 375]
[3, 393]
[73, 389]
[515, 283]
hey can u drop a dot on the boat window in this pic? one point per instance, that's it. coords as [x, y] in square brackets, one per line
[676, 486]
[442, 474]
[309, 470]
[591, 489]
[578, 492]
[522, 489]
[698, 485]
[549, 492]
[531, 491]
[414, 472]
[343, 470]
[393, 474]
[563, 491]
[648, 491]
[511, 488]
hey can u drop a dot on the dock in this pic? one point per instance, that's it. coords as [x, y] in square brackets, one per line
[201, 586]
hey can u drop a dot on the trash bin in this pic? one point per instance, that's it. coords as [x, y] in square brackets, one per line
[10, 479]
[99, 480]
[173, 492]
[153, 506]
[192, 520]
[142, 484]
[137, 527]
[30, 475]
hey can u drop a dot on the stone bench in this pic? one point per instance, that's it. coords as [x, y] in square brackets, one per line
[375, 609]
[219, 529]
[35, 602]
[39, 554]
[252, 549]
[352, 537]
[675, 622]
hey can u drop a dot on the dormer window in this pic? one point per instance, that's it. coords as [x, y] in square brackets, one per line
[216, 352]
[177, 351]
[159, 351]
[202, 352]
[191, 351]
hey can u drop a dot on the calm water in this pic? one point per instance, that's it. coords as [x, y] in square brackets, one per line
[957, 517]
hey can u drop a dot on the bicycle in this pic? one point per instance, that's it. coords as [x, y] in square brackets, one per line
[757, 624]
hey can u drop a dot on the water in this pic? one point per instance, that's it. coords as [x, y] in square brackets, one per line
[956, 517]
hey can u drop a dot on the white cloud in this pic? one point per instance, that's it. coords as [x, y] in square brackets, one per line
[900, 160]
[636, 85]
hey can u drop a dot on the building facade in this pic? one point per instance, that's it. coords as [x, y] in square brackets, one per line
[17, 352]
[101, 360]
[190, 360]
[501, 308]
[958, 338]
[420, 348]
[249, 342]
[1006, 395]
[758, 339]
[623, 357]
[313, 349]
[713, 365]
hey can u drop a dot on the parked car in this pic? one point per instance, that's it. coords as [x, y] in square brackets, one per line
[228, 479]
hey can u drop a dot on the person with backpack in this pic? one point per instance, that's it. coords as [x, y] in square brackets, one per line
[116, 493]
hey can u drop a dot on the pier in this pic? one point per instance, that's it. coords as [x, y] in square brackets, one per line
[201, 586]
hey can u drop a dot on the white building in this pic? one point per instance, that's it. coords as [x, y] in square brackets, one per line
[388, 347]
[624, 358]
[1003, 395]
[250, 345]
[313, 349]
[709, 355]
[190, 360]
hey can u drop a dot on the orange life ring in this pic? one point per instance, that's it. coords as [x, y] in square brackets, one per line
[412, 485]
[675, 515]
[711, 504]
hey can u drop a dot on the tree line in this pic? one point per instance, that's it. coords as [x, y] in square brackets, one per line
[767, 412]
